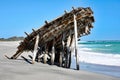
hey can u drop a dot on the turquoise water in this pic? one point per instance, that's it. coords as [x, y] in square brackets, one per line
[107, 47]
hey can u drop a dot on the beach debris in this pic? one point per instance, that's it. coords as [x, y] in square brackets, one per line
[53, 41]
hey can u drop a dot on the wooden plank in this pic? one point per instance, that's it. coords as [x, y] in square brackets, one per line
[76, 43]
[7, 57]
[35, 48]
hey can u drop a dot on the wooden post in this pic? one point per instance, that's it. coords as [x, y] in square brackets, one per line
[46, 22]
[76, 43]
[26, 33]
[62, 52]
[68, 55]
[53, 53]
[16, 55]
[33, 30]
[35, 48]
[65, 12]
[45, 54]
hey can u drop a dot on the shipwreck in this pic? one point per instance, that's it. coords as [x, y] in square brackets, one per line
[53, 41]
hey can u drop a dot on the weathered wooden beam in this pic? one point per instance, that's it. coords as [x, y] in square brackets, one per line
[86, 29]
[65, 12]
[35, 48]
[45, 57]
[26, 34]
[46, 21]
[76, 43]
[69, 39]
[16, 55]
[73, 8]
[53, 53]
[33, 30]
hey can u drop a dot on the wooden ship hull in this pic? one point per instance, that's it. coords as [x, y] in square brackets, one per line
[54, 40]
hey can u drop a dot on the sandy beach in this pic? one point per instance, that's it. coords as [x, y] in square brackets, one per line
[19, 69]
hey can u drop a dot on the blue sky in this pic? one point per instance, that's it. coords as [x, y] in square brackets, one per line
[19, 16]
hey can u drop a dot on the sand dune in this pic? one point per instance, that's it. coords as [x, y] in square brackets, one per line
[21, 70]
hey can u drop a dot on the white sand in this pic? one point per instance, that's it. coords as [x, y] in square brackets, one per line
[21, 70]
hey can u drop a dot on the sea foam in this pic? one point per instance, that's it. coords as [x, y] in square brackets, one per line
[99, 58]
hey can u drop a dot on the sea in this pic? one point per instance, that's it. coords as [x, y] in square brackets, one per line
[100, 56]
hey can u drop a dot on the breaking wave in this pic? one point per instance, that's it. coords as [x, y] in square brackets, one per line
[99, 58]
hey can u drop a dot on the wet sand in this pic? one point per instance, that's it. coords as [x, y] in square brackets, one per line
[19, 69]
